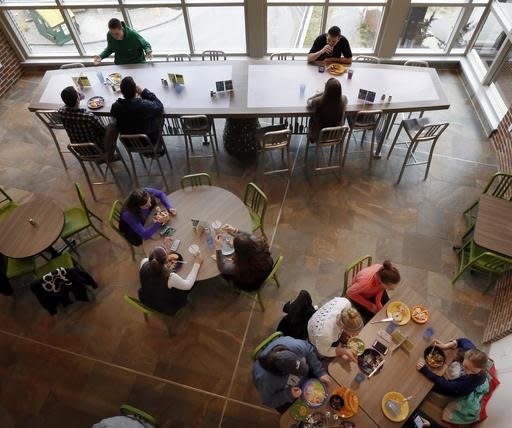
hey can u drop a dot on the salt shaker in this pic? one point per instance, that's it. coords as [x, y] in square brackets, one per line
[383, 97]
[389, 98]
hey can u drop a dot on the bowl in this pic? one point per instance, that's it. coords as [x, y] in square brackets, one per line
[314, 393]
[437, 359]
[356, 345]
[368, 360]
[400, 402]
[336, 402]
[399, 311]
[419, 314]
[177, 266]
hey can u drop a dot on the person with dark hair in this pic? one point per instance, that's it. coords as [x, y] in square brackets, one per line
[298, 312]
[161, 289]
[251, 264]
[472, 370]
[282, 368]
[331, 47]
[136, 209]
[139, 112]
[128, 46]
[84, 127]
[327, 109]
[368, 291]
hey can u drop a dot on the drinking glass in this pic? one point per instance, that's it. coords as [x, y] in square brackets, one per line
[302, 89]
[428, 334]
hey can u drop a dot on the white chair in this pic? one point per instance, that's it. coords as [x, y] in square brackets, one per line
[364, 120]
[273, 141]
[53, 122]
[213, 55]
[178, 57]
[282, 56]
[367, 58]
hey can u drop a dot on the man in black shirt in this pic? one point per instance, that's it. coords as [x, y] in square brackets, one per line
[330, 47]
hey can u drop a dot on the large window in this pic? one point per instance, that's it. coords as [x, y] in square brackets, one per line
[503, 80]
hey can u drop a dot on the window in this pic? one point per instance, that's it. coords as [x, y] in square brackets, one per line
[489, 40]
[503, 79]
[466, 30]
[506, 7]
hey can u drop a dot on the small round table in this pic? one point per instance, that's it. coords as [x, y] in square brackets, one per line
[204, 203]
[19, 238]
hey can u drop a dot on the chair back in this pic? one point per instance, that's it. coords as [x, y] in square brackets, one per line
[137, 143]
[136, 303]
[416, 63]
[282, 56]
[178, 57]
[87, 152]
[492, 262]
[64, 260]
[333, 135]
[256, 200]
[213, 55]
[195, 123]
[367, 119]
[500, 186]
[367, 58]
[115, 216]
[127, 410]
[273, 272]
[352, 270]
[5, 199]
[264, 343]
[276, 139]
[430, 132]
[82, 201]
[72, 65]
[196, 180]
[51, 119]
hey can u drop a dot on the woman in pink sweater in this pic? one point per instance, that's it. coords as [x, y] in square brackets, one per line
[368, 290]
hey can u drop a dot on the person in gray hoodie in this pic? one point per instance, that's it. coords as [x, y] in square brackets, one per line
[282, 368]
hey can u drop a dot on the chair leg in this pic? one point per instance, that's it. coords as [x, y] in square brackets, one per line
[407, 156]
[187, 154]
[288, 161]
[168, 157]
[114, 176]
[277, 281]
[215, 135]
[371, 148]
[99, 232]
[88, 180]
[135, 178]
[260, 301]
[431, 154]
[61, 155]
[306, 153]
[346, 147]
[393, 120]
[162, 172]
[395, 140]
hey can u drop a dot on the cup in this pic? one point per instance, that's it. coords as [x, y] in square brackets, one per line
[391, 327]
[350, 73]
[360, 377]
[217, 226]
[302, 89]
[428, 334]
[194, 249]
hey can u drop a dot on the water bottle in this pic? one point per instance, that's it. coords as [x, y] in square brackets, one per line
[209, 239]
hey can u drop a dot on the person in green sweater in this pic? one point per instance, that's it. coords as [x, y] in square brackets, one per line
[128, 46]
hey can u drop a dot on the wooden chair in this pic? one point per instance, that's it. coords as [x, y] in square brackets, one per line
[334, 139]
[6, 204]
[419, 131]
[264, 343]
[140, 415]
[213, 55]
[198, 126]
[72, 65]
[256, 200]
[53, 122]
[196, 180]
[114, 218]
[282, 56]
[364, 121]
[256, 295]
[146, 311]
[273, 141]
[367, 58]
[178, 57]
[352, 270]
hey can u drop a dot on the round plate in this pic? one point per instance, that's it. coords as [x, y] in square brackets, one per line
[336, 69]
[356, 344]
[299, 410]
[404, 406]
[314, 384]
[99, 101]
[178, 265]
[115, 77]
[351, 400]
[419, 314]
[400, 308]
[367, 367]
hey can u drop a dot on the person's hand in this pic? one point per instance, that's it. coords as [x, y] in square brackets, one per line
[420, 364]
[97, 59]
[327, 49]
[229, 229]
[346, 354]
[173, 212]
[325, 379]
[149, 55]
[296, 392]
[198, 258]
[218, 242]
[138, 89]
[374, 308]
[162, 219]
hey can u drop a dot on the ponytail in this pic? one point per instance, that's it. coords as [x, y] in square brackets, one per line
[388, 273]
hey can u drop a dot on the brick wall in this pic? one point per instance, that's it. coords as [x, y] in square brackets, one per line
[11, 69]
[502, 142]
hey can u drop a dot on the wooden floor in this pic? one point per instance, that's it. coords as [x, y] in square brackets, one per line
[76, 368]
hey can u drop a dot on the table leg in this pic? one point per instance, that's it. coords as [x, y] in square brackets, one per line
[381, 135]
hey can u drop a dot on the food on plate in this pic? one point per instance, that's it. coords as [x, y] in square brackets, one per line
[95, 102]
[356, 344]
[435, 359]
[115, 78]
[336, 69]
[350, 400]
[419, 314]
[173, 260]
[299, 410]
[368, 360]
[314, 393]
[400, 312]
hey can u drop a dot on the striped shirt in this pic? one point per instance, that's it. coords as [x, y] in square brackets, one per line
[82, 126]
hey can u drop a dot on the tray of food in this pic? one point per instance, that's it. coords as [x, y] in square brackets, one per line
[174, 260]
[314, 393]
[95, 103]
[419, 314]
[336, 69]
[369, 360]
[399, 311]
[356, 344]
[434, 358]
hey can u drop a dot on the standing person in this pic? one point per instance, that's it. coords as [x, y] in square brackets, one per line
[162, 289]
[331, 327]
[330, 47]
[368, 291]
[139, 112]
[128, 46]
[328, 108]
[135, 211]
[281, 369]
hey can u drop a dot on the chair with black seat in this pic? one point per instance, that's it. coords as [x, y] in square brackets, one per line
[178, 57]
[334, 139]
[53, 122]
[200, 179]
[6, 204]
[367, 58]
[213, 55]
[282, 56]
[273, 141]
[199, 126]
[94, 156]
[140, 144]
[364, 121]
[72, 65]
[419, 131]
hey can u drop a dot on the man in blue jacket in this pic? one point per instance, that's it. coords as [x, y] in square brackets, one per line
[281, 369]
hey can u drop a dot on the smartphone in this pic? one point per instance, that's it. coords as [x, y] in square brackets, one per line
[380, 347]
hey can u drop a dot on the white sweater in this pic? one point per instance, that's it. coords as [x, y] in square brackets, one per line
[176, 281]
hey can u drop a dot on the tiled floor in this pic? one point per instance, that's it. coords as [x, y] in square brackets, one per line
[78, 367]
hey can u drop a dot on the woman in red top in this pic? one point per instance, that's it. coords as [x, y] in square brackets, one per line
[368, 290]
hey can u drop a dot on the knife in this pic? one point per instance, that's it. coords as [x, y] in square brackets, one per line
[376, 369]
[384, 320]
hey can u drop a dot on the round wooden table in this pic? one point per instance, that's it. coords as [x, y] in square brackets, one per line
[19, 238]
[205, 203]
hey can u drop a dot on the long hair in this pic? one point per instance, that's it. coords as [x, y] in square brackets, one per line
[136, 200]
[158, 262]
[330, 101]
[251, 255]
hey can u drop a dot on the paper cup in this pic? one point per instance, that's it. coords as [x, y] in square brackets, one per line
[216, 226]
[194, 249]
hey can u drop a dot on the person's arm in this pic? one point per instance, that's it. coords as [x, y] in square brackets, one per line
[353, 293]
[378, 299]
[317, 50]
[151, 102]
[464, 344]
[144, 43]
[108, 50]
[311, 101]
[225, 265]
[346, 51]
[138, 228]
[160, 195]
[313, 362]
[176, 281]
[459, 387]
[144, 260]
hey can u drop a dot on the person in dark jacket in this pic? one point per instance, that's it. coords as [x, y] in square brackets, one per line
[473, 370]
[251, 263]
[139, 112]
[298, 312]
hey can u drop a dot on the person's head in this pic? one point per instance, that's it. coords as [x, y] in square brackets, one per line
[247, 247]
[350, 322]
[70, 96]
[115, 28]
[158, 261]
[474, 361]
[333, 35]
[282, 361]
[332, 91]
[389, 275]
[128, 87]
[137, 201]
